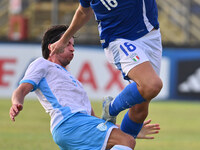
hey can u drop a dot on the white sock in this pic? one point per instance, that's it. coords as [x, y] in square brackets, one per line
[120, 147]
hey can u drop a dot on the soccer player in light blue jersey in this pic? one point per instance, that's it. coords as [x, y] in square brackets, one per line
[130, 36]
[73, 123]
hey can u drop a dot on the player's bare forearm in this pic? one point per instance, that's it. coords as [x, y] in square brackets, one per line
[17, 104]
[18, 99]
[81, 17]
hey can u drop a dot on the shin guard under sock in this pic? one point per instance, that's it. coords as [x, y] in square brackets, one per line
[130, 127]
[126, 99]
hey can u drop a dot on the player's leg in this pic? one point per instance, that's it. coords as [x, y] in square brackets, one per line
[146, 86]
[149, 83]
[131, 58]
[126, 56]
[120, 140]
[133, 119]
[139, 112]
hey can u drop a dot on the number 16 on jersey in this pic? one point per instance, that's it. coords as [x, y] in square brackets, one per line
[109, 3]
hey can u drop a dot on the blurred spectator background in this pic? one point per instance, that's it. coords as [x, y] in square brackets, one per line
[26, 20]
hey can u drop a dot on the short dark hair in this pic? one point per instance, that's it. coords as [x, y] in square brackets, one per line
[52, 35]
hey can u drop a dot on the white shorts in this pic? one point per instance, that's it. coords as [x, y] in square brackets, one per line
[83, 132]
[127, 54]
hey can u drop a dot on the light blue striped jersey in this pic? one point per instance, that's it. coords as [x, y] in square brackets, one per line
[58, 91]
[127, 19]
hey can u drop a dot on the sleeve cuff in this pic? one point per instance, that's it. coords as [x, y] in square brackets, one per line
[84, 4]
[31, 82]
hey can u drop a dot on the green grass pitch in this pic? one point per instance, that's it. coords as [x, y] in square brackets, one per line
[179, 121]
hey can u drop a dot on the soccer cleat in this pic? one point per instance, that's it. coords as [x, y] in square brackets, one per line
[105, 112]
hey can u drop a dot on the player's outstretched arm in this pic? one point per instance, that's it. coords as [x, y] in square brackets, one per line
[80, 18]
[18, 99]
[148, 130]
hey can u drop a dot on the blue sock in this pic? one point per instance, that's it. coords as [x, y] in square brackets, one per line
[126, 99]
[130, 127]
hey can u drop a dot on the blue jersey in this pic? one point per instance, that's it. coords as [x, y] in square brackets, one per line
[127, 19]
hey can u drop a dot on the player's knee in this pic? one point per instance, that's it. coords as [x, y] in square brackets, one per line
[155, 88]
[117, 137]
[152, 89]
[129, 141]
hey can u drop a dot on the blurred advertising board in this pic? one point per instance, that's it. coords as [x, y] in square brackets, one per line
[184, 73]
[99, 77]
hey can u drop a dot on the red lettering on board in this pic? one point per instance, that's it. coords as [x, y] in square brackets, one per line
[115, 78]
[86, 76]
[4, 72]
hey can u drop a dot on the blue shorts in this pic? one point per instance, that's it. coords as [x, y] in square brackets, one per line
[83, 132]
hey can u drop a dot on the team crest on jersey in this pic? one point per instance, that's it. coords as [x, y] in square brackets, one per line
[102, 127]
[135, 57]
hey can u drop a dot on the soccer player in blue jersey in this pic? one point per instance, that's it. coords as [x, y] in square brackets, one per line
[73, 123]
[130, 35]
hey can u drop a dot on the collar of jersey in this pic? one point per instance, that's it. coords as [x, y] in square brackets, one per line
[61, 67]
